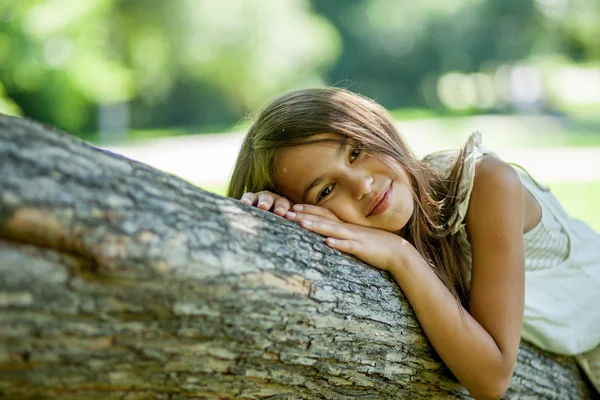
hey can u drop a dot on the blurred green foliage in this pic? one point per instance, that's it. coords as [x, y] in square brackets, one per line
[204, 63]
[175, 62]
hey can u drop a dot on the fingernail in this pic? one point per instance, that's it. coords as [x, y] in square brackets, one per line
[290, 214]
[279, 210]
[307, 222]
[246, 201]
[298, 207]
[262, 204]
[331, 241]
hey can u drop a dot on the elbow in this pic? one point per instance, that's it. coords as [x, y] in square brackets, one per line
[491, 389]
[492, 382]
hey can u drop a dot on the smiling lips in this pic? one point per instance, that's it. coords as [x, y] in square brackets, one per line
[382, 201]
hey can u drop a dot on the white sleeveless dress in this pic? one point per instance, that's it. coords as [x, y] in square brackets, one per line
[562, 268]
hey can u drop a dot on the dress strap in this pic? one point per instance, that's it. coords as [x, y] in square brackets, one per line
[539, 185]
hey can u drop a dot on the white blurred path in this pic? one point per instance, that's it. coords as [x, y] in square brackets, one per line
[207, 160]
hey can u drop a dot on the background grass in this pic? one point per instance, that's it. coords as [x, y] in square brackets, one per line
[580, 199]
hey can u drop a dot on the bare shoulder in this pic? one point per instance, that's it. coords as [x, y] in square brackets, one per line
[497, 192]
[491, 173]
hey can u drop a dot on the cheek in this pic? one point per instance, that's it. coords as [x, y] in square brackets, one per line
[408, 197]
[405, 200]
[342, 210]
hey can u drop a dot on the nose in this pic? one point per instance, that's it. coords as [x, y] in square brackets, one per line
[361, 185]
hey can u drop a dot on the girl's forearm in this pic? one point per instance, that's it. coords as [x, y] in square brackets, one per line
[466, 347]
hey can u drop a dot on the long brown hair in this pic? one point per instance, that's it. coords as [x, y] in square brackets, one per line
[294, 118]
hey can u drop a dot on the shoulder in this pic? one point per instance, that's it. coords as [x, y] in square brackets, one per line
[496, 195]
[493, 173]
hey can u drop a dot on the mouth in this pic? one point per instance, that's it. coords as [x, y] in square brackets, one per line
[382, 201]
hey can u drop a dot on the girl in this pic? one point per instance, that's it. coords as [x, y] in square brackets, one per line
[464, 234]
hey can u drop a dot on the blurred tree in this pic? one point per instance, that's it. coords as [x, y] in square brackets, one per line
[216, 60]
[395, 50]
[578, 25]
[60, 62]
[181, 62]
[193, 63]
[393, 47]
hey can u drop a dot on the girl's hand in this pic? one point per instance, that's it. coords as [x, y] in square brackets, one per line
[266, 200]
[381, 249]
[300, 211]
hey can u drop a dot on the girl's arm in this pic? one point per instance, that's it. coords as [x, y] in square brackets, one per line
[480, 348]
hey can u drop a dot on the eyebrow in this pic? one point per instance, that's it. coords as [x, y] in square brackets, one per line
[321, 178]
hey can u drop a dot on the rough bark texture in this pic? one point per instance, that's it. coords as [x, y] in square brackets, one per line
[120, 281]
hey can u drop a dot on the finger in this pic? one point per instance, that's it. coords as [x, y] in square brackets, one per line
[315, 210]
[265, 200]
[298, 216]
[346, 246]
[249, 198]
[328, 228]
[282, 206]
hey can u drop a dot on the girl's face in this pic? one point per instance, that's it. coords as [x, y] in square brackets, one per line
[358, 188]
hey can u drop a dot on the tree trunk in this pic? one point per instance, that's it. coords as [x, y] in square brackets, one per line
[120, 281]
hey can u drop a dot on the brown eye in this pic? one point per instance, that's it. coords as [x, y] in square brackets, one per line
[325, 192]
[355, 152]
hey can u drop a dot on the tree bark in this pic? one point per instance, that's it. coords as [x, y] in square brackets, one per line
[121, 281]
